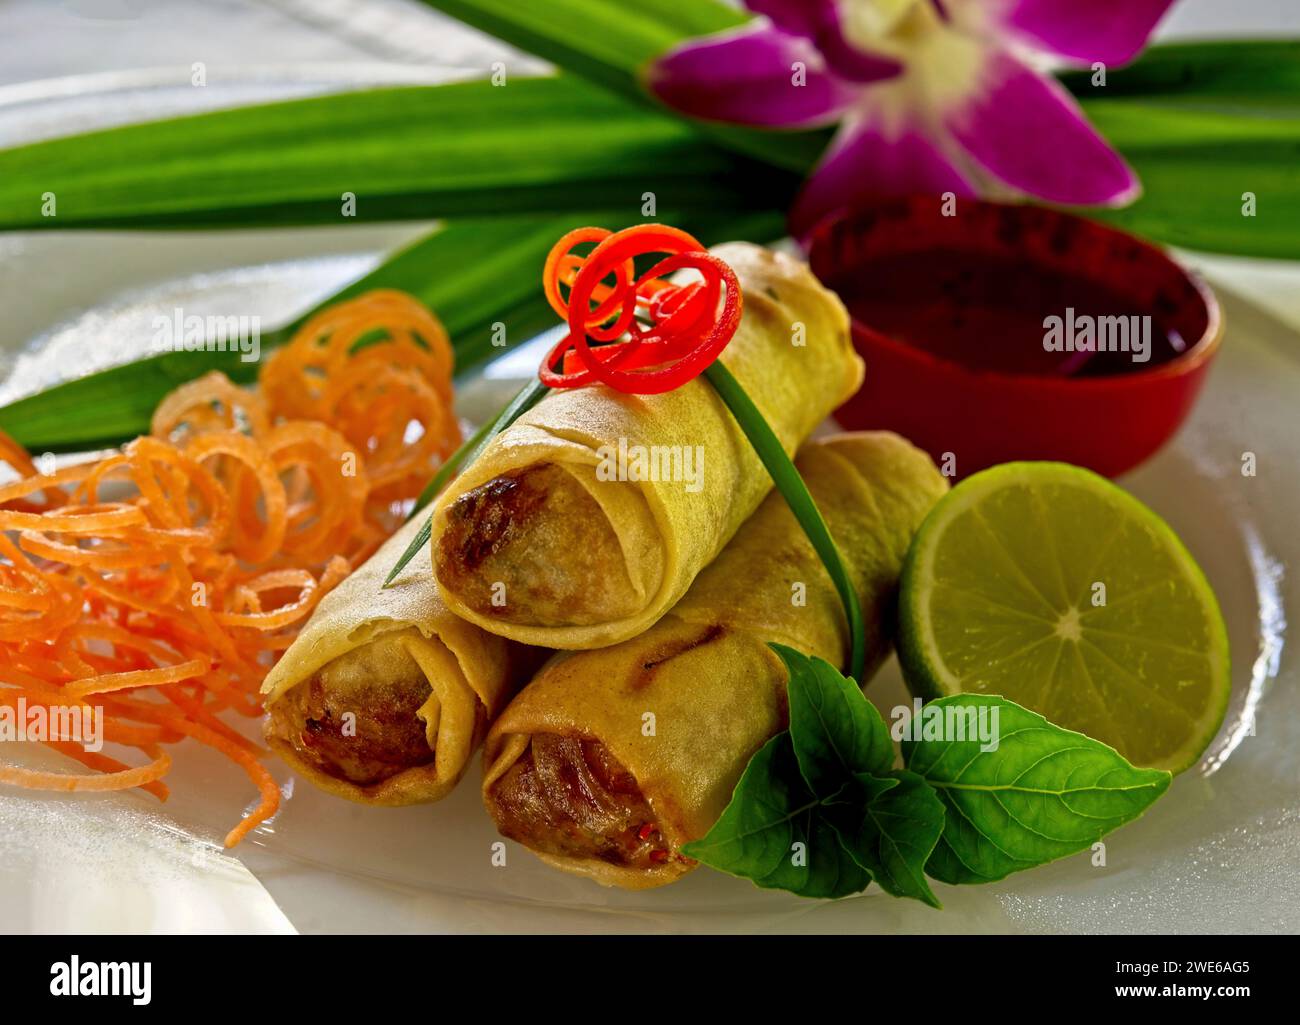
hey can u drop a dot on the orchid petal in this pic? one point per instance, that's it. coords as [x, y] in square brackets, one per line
[848, 59]
[821, 21]
[1110, 31]
[865, 163]
[801, 17]
[1028, 131]
[755, 75]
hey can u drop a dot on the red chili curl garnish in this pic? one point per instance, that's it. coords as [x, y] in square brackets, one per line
[673, 332]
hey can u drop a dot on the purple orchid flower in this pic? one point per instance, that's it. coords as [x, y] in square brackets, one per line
[931, 95]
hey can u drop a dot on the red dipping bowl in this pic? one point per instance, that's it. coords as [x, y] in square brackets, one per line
[972, 417]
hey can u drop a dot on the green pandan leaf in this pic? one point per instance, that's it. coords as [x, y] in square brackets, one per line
[1196, 169]
[1244, 76]
[1042, 794]
[609, 42]
[541, 145]
[470, 273]
[605, 41]
[1193, 174]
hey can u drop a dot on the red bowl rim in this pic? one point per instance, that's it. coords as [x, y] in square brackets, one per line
[1196, 356]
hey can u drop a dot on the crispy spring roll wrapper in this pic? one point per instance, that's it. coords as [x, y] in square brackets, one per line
[421, 684]
[538, 544]
[570, 771]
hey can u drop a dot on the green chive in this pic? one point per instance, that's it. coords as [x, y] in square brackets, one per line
[795, 491]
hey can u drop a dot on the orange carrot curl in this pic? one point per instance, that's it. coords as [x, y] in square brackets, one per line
[162, 582]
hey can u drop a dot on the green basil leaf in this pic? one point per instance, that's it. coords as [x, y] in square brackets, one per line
[865, 788]
[837, 733]
[830, 870]
[774, 832]
[819, 811]
[1044, 793]
[893, 832]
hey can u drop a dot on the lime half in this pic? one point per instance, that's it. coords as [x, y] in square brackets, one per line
[1052, 587]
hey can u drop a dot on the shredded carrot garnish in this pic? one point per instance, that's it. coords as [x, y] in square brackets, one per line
[16, 456]
[158, 585]
[106, 682]
[378, 370]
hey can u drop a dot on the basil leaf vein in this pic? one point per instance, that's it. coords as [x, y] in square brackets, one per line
[1044, 793]
[836, 731]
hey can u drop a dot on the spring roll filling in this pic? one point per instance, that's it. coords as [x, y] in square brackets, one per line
[356, 718]
[570, 797]
[534, 547]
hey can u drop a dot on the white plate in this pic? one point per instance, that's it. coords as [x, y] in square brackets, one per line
[1220, 852]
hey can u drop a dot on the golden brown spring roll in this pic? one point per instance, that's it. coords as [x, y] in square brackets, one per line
[385, 694]
[610, 760]
[556, 538]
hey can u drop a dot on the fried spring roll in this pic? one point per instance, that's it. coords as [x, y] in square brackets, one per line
[587, 519]
[610, 760]
[385, 695]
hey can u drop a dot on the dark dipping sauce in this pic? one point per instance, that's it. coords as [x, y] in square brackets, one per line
[989, 312]
[951, 309]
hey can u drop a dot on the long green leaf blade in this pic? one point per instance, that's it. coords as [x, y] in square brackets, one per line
[1256, 76]
[609, 42]
[472, 274]
[475, 275]
[1197, 168]
[1185, 201]
[603, 41]
[533, 146]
